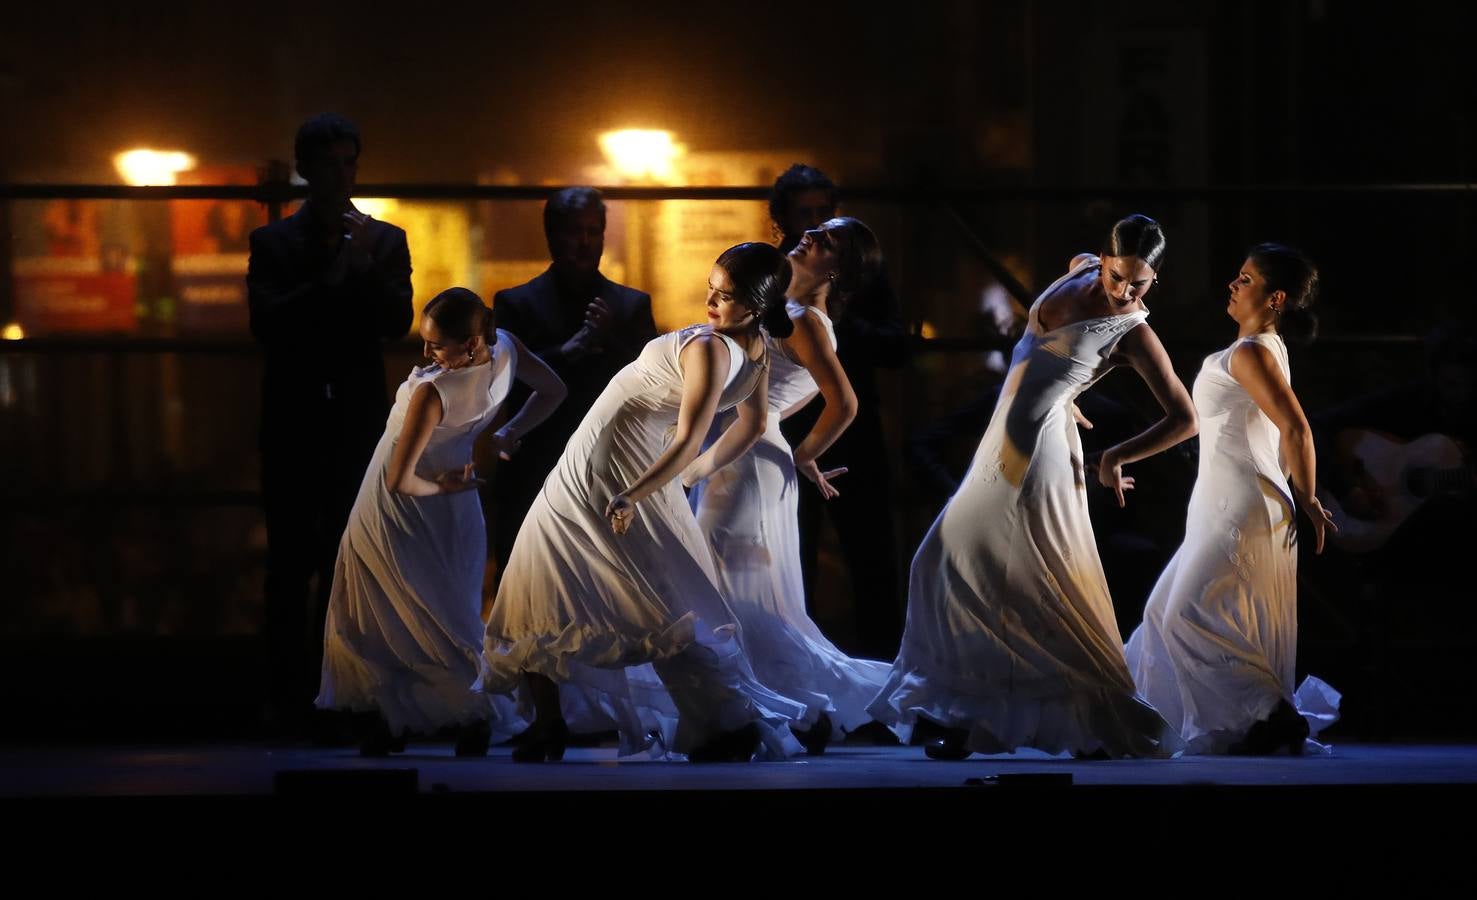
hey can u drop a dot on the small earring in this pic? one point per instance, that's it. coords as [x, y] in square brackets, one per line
[471, 353]
[832, 276]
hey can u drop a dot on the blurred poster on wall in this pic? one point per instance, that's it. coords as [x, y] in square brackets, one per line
[74, 267]
[671, 244]
[210, 244]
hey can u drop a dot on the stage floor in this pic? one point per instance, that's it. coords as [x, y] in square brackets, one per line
[182, 770]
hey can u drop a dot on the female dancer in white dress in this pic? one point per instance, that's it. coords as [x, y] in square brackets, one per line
[1011, 640]
[609, 570]
[748, 509]
[404, 630]
[1216, 651]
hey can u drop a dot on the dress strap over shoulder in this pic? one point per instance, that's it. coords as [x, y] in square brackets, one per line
[1033, 315]
[735, 352]
[796, 309]
[1272, 342]
[504, 368]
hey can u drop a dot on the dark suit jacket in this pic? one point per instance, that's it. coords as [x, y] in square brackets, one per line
[543, 320]
[537, 314]
[324, 344]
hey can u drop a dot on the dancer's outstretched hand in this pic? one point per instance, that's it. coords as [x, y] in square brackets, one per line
[1110, 475]
[458, 480]
[822, 480]
[1081, 419]
[1321, 518]
[621, 512]
[505, 444]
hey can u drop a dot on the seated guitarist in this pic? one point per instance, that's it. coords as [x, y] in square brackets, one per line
[1399, 462]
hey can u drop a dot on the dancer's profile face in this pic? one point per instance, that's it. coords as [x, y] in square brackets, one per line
[1125, 279]
[725, 312]
[1250, 300]
[815, 258]
[443, 350]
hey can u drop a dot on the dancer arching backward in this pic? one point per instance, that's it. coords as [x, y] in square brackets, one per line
[748, 510]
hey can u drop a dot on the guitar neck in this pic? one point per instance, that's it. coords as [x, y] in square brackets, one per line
[1457, 480]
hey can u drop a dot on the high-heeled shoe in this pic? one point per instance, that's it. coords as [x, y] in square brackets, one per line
[472, 739]
[543, 743]
[375, 737]
[1284, 727]
[815, 740]
[952, 746]
[730, 746]
[1292, 728]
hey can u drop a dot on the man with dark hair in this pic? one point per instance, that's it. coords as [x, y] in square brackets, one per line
[326, 286]
[869, 335]
[585, 326]
[800, 199]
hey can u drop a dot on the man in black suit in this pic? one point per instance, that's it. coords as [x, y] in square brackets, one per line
[327, 286]
[583, 325]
